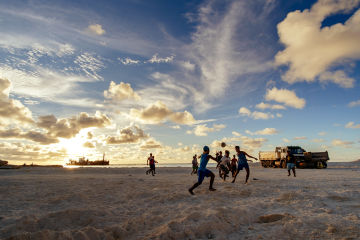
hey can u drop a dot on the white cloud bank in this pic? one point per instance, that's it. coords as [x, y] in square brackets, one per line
[287, 97]
[156, 59]
[310, 51]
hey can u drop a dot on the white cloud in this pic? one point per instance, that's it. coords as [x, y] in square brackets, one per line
[176, 127]
[321, 133]
[265, 131]
[151, 144]
[12, 110]
[286, 97]
[255, 115]
[203, 130]
[236, 134]
[121, 91]
[261, 115]
[128, 61]
[354, 103]
[244, 111]
[95, 29]
[158, 112]
[90, 65]
[339, 77]
[318, 140]
[187, 65]
[340, 143]
[156, 59]
[224, 48]
[310, 51]
[286, 140]
[132, 134]
[300, 138]
[352, 125]
[263, 106]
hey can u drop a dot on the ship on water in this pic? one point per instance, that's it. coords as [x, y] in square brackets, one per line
[85, 162]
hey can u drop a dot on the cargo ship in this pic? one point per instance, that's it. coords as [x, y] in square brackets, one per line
[85, 162]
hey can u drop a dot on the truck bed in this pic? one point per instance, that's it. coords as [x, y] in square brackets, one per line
[268, 155]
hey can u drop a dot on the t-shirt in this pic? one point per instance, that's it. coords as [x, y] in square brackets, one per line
[242, 158]
[290, 158]
[233, 161]
[203, 162]
[194, 162]
[225, 161]
[151, 160]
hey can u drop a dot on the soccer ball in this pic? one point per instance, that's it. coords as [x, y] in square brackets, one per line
[223, 144]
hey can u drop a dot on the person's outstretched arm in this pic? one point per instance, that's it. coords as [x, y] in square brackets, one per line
[250, 156]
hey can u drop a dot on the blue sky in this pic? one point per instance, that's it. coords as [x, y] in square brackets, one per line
[132, 77]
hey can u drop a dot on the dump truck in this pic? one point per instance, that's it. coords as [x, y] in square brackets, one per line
[303, 159]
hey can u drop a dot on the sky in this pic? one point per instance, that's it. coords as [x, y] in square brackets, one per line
[130, 77]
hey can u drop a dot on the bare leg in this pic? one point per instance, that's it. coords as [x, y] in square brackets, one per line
[293, 169]
[288, 172]
[193, 187]
[237, 172]
[212, 176]
[247, 174]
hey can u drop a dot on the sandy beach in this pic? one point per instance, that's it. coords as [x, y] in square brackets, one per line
[124, 203]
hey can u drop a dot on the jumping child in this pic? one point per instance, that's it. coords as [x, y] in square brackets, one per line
[242, 163]
[203, 171]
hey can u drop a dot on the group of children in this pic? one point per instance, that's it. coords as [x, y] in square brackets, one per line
[223, 163]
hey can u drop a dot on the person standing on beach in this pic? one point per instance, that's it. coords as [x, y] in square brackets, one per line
[151, 162]
[194, 165]
[203, 171]
[242, 163]
[233, 166]
[225, 164]
[290, 162]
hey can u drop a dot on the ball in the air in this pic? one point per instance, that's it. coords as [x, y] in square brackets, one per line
[223, 144]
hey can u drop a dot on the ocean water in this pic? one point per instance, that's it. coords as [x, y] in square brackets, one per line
[210, 165]
[186, 165]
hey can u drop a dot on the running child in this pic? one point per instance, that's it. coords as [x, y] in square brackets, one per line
[203, 171]
[242, 163]
[225, 164]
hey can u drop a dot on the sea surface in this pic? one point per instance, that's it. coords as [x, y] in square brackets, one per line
[210, 165]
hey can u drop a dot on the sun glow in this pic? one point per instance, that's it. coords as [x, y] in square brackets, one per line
[75, 147]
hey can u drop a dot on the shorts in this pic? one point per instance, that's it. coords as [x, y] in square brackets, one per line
[152, 166]
[195, 167]
[242, 165]
[224, 169]
[202, 174]
[290, 166]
